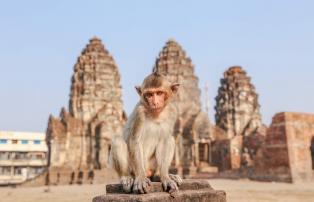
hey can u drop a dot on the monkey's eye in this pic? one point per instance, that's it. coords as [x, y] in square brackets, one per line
[160, 93]
[148, 95]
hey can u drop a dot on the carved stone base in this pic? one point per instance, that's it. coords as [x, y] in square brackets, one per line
[190, 190]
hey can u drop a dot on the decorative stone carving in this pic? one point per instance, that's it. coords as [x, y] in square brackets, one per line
[193, 126]
[238, 115]
[95, 82]
[237, 108]
[80, 138]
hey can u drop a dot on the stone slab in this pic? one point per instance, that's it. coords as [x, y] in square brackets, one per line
[157, 187]
[190, 190]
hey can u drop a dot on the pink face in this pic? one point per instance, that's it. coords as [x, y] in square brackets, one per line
[155, 99]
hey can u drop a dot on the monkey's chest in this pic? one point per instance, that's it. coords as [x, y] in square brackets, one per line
[156, 130]
[152, 136]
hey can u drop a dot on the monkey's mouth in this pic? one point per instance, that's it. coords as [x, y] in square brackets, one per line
[155, 108]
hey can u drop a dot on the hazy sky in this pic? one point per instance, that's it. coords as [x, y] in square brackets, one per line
[273, 40]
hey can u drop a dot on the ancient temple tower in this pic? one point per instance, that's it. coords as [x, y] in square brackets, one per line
[193, 126]
[81, 138]
[173, 62]
[237, 107]
[238, 115]
[95, 82]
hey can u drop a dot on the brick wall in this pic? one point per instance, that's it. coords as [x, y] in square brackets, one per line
[286, 155]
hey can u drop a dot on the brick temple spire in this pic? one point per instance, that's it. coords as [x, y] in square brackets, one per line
[81, 138]
[178, 67]
[237, 107]
[193, 124]
[95, 82]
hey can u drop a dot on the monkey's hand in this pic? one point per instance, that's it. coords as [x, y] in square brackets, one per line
[176, 178]
[127, 183]
[141, 184]
[169, 185]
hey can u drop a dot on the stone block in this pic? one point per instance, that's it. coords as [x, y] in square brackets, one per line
[190, 190]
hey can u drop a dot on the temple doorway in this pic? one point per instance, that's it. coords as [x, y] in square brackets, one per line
[203, 152]
[97, 164]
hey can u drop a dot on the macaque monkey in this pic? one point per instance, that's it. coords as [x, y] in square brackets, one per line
[147, 146]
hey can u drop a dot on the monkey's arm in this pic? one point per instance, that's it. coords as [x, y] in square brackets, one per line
[136, 153]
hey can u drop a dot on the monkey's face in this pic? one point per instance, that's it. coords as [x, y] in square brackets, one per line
[155, 100]
[155, 93]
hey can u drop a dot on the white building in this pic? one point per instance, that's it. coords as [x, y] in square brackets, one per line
[23, 156]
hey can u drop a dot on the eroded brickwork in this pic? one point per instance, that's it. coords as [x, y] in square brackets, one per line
[81, 138]
[237, 107]
[287, 154]
[193, 129]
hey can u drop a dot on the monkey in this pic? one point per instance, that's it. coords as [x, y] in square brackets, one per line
[147, 145]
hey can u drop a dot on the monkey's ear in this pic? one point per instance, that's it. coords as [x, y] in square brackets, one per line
[175, 87]
[138, 90]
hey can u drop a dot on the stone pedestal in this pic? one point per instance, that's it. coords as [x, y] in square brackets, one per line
[190, 190]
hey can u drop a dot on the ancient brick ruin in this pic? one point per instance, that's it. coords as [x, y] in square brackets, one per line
[193, 129]
[288, 152]
[237, 107]
[80, 139]
[238, 115]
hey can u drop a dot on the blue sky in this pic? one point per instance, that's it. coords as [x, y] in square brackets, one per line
[41, 40]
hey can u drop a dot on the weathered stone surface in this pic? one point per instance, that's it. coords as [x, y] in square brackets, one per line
[288, 152]
[237, 108]
[80, 139]
[193, 129]
[156, 186]
[95, 83]
[190, 190]
[237, 114]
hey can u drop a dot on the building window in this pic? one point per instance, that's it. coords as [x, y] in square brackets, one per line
[14, 141]
[36, 170]
[4, 155]
[21, 155]
[3, 141]
[36, 141]
[5, 170]
[18, 171]
[24, 141]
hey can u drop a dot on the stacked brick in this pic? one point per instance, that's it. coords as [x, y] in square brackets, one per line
[174, 63]
[288, 152]
[80, 138]
[238, 116]
[237, 107]
[193, 125]
[95, 82]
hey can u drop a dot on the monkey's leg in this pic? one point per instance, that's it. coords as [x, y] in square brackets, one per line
[120, 161]
[164, 156]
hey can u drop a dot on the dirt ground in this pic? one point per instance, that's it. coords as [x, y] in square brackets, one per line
[237, 190]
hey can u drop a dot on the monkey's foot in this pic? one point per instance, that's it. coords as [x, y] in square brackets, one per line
[169, 185]
[141, 184]
[127, 183]
[176, 178]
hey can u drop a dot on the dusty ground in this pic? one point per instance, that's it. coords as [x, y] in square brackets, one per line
[237, 190]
